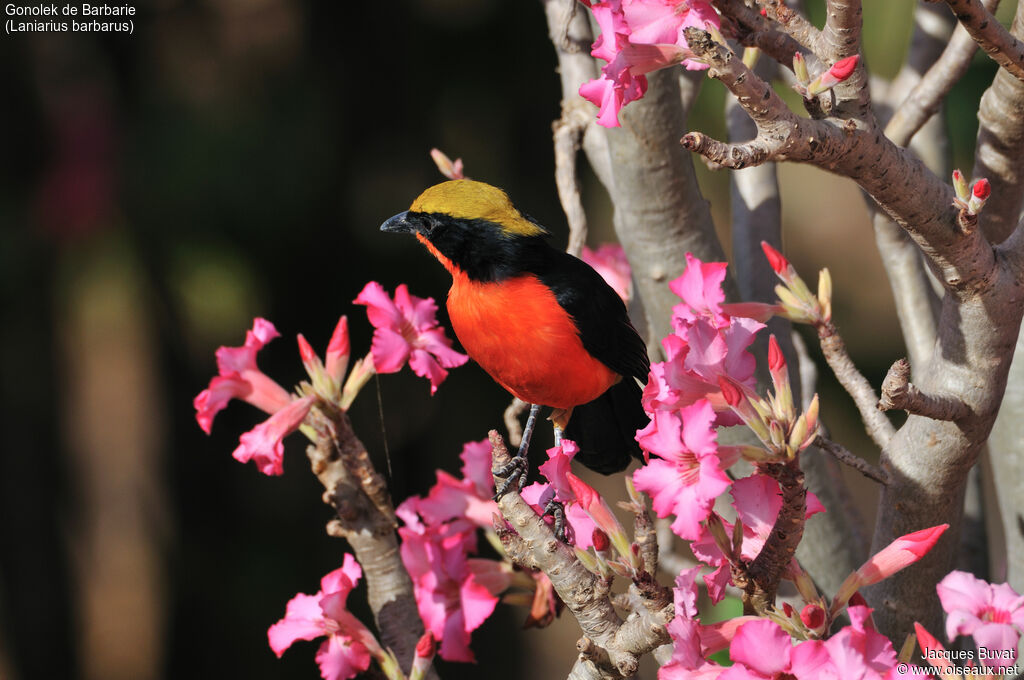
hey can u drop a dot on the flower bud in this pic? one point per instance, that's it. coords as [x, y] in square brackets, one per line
[750, 56]
[778, 262]
[960, 186]
[839, 72]
[800, 69]
[600, 540]
[813, 616]
[979, 194]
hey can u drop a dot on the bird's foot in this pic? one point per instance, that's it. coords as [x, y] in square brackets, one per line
[514, 474]
[557, 511]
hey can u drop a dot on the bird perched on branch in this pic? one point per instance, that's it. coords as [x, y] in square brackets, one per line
[541, 322]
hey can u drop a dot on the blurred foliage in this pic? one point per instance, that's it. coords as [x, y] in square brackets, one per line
[237, 158]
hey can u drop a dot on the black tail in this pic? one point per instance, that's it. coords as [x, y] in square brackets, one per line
[605, 429]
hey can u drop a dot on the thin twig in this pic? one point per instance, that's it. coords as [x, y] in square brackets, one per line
[515, 410]
[857, 386]
[568, 135]
[986, 30]
[927, 96]
[847, 457]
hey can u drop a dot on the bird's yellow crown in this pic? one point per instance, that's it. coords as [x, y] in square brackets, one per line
[469, 200]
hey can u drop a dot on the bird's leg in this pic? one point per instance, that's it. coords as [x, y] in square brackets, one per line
[556, 510]
[515, 470]
[558, 435]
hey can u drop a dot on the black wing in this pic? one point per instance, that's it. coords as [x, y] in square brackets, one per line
[597, 310]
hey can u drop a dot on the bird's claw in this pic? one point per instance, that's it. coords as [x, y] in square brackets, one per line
[557, 511]
[514, 474]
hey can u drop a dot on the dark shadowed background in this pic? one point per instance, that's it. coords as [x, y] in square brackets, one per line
[232, 159]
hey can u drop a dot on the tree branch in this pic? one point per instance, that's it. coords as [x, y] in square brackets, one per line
[841, 34]
[986, 30]
[999, 155]
[366, 519]
[611, 648]
[899, 393]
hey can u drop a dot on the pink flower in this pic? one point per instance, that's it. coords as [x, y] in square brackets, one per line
[454, 593]
[757, 502]
[451, 498]
[407, 330]
[349, 645]
[609, 260]
[239, 378]
[901, 553]
[264, 443]
[700, 289]
[858, 650]
[762, 650]
[992, 613]
[688, 475]
[688, 652]
[637, 37]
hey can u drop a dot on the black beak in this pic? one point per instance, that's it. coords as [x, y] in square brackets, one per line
[399, 224]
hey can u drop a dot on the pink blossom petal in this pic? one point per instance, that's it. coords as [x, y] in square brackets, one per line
[390, 350]
[344, 578]
[380, 309]
[341, 658]
[215, 398]
[303, 620]
[476, 466]
[762, 646]
[264, 444]
[424, 365]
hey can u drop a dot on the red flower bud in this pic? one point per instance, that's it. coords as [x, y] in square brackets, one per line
[813, 616]
[842, 69]
[776, 361]
[305, 351]
[981, 189]
[427, 646]
[730, 392]
[600, 540]
[787, 609]
[775, 258]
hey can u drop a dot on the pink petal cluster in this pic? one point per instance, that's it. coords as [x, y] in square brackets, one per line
[689, 474]
[761, 650]
[991, 613]
[692, 641]
[407, 330]
[454, 592]
[609, 260]
[637, 37]
[239, 378]
[757, 501]
[707, 344]
[684, 399]
[349, 645]
[470, 497]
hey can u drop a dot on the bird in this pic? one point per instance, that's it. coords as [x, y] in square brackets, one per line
[541, 322]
